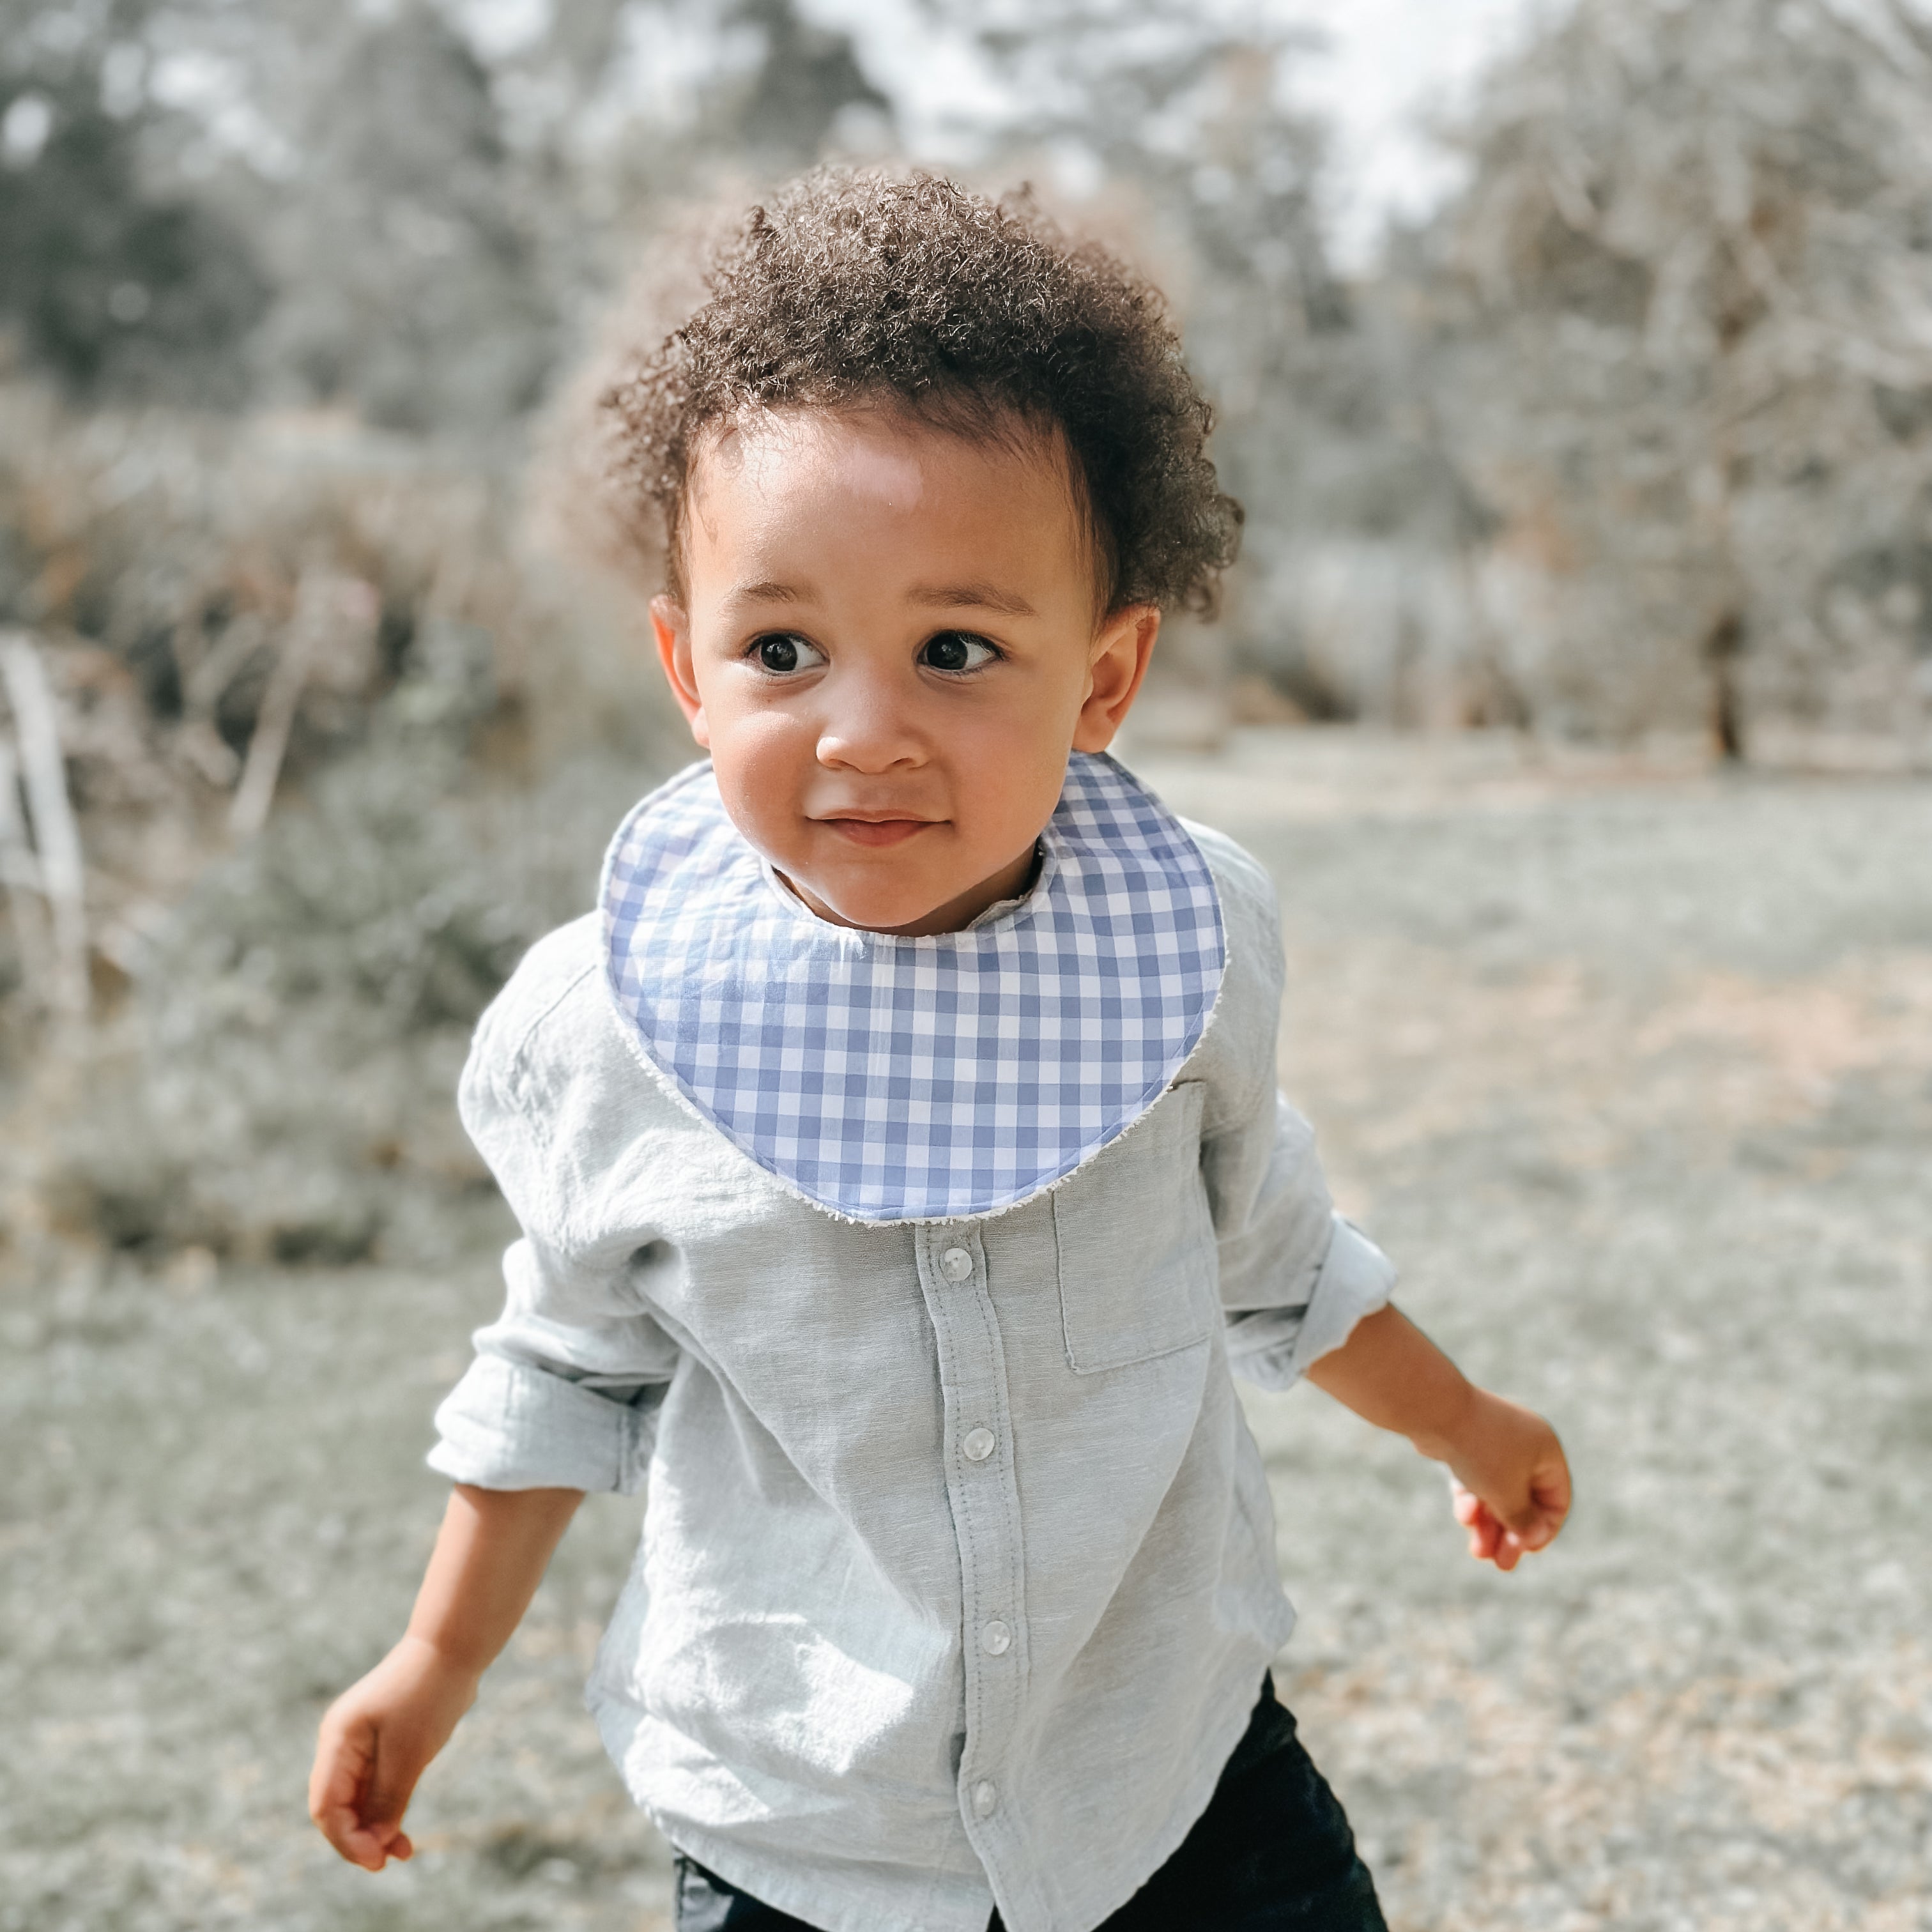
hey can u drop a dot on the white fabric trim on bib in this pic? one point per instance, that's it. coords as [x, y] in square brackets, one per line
[894, 1079]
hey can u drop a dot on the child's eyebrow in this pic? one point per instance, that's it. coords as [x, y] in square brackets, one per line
[977, 596]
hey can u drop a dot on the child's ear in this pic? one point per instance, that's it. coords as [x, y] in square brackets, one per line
[673, 626]
[1121, 649]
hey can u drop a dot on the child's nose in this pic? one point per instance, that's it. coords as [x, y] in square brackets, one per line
[868, 730]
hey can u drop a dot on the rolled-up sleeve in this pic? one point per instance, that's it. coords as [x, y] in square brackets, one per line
[552, 1404]
[510, 1425]
[1296, 1276]
[566, 1387]
[1274, 1347]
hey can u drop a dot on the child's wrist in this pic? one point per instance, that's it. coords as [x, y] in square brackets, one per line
[1444, 1434]
[451, 1662]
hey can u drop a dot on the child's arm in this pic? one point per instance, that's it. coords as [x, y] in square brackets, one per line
[379, 1735]
[1512, 1484]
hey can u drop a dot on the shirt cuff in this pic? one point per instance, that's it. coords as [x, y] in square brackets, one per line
[1272, 1348]
[508, 1426]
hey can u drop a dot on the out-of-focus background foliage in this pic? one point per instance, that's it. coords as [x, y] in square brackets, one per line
[1633, 436]
[1576, 681]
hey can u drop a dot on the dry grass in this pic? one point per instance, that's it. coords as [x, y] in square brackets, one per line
[1630, 1067]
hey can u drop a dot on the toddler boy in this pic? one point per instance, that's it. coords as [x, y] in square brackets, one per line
[898, 1158]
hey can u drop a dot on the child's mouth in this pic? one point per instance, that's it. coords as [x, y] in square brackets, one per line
[877, 831]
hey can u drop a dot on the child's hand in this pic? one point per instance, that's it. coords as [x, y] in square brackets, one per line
[376, 1740]
[1512, 1486]
[1509, 1478]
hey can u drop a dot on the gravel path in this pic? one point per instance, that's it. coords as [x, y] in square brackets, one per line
[1630, 1068]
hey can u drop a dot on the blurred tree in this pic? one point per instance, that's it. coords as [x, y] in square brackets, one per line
[449, 221]
[116, 286]
[411, 287]
[706, 95]
[1683, 352]
[803, 91]
[1179, 115]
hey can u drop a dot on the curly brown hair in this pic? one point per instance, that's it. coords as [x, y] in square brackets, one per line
[849, 288]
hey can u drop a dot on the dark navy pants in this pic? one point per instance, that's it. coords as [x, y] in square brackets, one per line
[1273, 1852]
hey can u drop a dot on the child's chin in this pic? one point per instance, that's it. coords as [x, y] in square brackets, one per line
[865, 903]
[879, 916]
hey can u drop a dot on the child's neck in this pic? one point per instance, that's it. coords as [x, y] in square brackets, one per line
[1010, 882]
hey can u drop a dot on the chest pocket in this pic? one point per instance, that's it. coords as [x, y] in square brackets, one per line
[1137, 1272]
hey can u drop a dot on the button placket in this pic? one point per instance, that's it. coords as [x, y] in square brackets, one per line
[986, 1512]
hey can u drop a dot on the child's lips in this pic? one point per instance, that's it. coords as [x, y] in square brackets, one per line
[878, 831]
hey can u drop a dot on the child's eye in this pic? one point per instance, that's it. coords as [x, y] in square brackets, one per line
[956, 651]
[782, 652]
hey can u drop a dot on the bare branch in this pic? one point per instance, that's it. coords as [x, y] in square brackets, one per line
[20, 872]
[273, 724]
[327, 643]
[56, 837]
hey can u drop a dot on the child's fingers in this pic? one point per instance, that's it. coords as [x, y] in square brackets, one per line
[360, 1843]
[1534, 1520]
[1529, 1529]
[372, 1845]
[1492, 1538]
[1470, 1512]
[354, 1805]
[391, 1780]
[1535, 1526]
[1485, 1527]
[343, 1751]
[1482, 1528]
[363, 1841]
[1550, 1491]
[362, 1846]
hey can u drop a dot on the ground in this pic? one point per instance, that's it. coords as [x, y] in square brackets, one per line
[1629, 1065]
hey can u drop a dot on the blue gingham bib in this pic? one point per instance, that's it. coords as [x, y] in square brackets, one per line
[894, 1079]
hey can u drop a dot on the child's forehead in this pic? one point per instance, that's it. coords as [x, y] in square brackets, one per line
[878, 458]
[884, 445]
[891, 460]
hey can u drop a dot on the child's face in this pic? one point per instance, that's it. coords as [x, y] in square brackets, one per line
[889, 644]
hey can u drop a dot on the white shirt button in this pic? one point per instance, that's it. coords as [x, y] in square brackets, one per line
[996, 1638]
[979, 1443]
[955, 1264]
[986, 1798]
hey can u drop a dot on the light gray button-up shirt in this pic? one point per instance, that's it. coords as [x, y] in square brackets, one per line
[957, 1578]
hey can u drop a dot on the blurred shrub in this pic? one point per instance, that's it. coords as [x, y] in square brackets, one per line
[112, 286]
[411, 287]
[280, 1081]
[280, 1018]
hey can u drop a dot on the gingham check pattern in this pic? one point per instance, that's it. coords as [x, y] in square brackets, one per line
[893, 1079]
